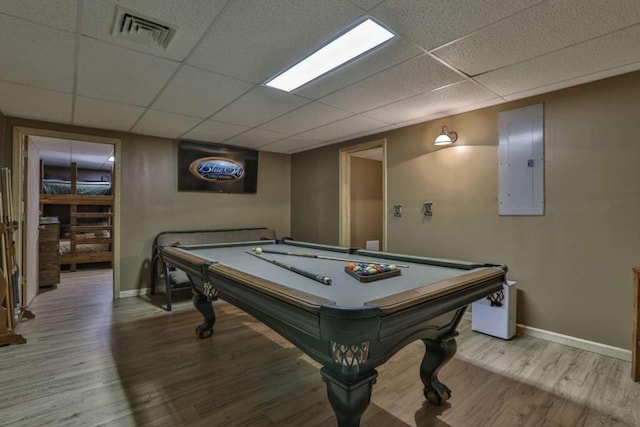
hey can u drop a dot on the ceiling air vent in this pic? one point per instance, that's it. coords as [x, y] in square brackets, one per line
[141, 29]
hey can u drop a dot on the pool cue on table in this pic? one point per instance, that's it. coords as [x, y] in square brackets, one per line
[267, 251]
[318, 278]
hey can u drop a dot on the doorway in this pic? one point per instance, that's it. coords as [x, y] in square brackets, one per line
[363, 195]
[29, 144]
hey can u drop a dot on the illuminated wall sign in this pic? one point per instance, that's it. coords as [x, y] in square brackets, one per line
[216, 169]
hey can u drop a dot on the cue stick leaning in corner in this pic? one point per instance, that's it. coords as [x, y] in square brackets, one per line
[318, 278]
[333, 258]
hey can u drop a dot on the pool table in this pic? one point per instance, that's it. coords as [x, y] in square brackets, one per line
[350, 327]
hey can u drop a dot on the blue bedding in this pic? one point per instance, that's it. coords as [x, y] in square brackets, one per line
[56, 186]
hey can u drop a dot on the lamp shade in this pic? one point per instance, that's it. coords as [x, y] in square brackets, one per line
[443, 139]
[446, 137]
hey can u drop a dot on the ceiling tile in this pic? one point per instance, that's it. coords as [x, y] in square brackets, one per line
[370, 154]
[615, 50]
[62, 145]
[104, 114]
[35, 55]
[191, 18]
[198, 93]
[258, 106]
[513, 48]
[160, 123]
[344, 128]
[254, 40]
[292, 144]
[33, 103]
[540, 29]
[255, 138]
[59, 14]
[407, 79]
[435, 22]
[366, 4]
[121, 75]
[62, 152]
[430, 103]
[212, 131]
[393, 53]
[304, 118]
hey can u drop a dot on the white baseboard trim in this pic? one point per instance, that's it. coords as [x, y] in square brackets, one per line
[134, 293]
[594, 347]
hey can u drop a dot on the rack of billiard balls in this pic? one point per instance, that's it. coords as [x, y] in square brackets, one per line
[369, 272]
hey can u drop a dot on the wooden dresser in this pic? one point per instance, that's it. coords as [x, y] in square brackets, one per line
[49, 264]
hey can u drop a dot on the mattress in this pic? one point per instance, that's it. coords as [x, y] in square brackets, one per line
[56, 186]
[65, 247]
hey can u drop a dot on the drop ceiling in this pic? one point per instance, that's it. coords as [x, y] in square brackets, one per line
[59, 62]
[64, 152]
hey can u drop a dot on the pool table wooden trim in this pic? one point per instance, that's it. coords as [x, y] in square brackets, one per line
[296, 297]
[184, 256]
[309, 302]
[411, 298]
[293, 296]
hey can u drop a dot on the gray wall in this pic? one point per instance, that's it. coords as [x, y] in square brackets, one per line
[150, 202]
[573, 264]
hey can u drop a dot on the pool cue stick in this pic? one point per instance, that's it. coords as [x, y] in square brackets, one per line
[267, 251]
[318, 278]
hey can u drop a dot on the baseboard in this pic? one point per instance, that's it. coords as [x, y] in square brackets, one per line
[134, 293]
[594, 347]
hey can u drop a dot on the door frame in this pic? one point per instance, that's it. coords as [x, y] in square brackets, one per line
[19, 135]
[344, 227]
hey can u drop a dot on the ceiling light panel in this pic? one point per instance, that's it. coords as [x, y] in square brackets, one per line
[355, 42]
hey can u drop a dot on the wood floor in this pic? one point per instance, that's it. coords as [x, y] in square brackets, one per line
[89, 362]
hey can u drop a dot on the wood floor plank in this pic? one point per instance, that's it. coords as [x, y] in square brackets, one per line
[90, 361]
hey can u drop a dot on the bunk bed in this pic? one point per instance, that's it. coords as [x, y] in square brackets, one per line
[88, 237]
[83, 188]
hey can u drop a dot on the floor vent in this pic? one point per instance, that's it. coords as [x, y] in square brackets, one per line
[141, 29]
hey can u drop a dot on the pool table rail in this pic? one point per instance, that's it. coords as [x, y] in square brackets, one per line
[439, 262]
[296, 297]
[195, 266]
[414, 297]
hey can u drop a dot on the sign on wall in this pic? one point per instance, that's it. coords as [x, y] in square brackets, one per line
[216, 168]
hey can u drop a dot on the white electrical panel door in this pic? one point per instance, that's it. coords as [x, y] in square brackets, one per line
[521, 161]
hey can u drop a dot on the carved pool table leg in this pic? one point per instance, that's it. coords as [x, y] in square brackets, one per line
[437, 354]
[204, 305]
[349, 401]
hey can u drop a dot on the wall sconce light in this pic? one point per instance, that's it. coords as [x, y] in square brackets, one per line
[446, 137]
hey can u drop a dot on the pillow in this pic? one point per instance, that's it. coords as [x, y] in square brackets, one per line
[103, 233]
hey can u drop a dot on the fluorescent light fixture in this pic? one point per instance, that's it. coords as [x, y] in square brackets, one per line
[351, 44]
[111, 159]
